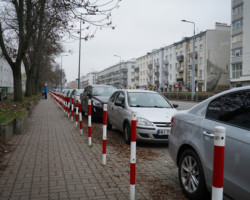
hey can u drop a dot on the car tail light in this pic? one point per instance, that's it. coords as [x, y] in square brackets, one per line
[172, 122]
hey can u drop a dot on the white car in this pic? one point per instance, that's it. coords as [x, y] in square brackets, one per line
[153, 112]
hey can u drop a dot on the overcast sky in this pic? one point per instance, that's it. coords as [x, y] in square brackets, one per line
[143, 25]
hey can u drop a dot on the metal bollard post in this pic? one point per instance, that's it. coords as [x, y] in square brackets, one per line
[133, 155]
[72, 109]
[80, 117]
[89, 122]
[76, 113]
[104, 134]
[218, 173]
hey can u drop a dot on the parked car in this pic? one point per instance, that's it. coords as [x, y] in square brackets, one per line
[99, 95]
[76, 95]
[153, 112]
[191, 144]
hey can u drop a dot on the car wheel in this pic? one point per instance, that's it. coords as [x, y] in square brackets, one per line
[109, 126]
[126, 132]
[191, 176]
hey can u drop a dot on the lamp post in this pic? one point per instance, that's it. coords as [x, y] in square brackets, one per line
[193, 61]
[120, 68]
[61, 70]
[79, 65]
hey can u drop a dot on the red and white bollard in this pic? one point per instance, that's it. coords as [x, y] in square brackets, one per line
[68, 106]
[104, 137]
[133, 155]
[76, 113]
[72, 110]
[80, 117]
[218, 172]
[89, 122]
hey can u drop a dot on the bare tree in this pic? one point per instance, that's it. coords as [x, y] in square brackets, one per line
[26, 25]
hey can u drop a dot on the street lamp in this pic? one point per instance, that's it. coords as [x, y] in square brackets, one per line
[193, 62]
[80, 39]
[61, 70]
[120, 68]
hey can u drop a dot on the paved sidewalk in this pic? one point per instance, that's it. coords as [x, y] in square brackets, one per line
[52, 161]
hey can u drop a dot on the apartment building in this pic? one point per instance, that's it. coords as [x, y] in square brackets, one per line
[121, 75]
[143, 71]
[6, 76]
[90, 79]
[172, 65]
[240, 40]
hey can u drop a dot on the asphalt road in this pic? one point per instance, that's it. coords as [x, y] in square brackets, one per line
[184, 105]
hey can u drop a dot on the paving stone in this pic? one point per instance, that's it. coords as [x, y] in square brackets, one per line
[51, 161]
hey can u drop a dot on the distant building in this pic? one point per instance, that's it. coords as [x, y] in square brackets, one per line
[240, 43]
[6, 76]
[121, 75]
[172, 65]
[143, 71]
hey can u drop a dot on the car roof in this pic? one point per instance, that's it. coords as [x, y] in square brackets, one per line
[138, 90]
[102, 86]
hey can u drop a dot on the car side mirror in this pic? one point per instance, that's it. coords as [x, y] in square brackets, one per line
[175, 105]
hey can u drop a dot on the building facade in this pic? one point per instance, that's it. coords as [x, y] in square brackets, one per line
[6, 76]
[143, 71]
[121, 75]
[240, 40]
[172, 65]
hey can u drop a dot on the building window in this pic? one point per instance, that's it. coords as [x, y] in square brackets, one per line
[201, 60]
[236, 70]
[237, 38]
[237, 24]
[201, 46]
[237, 52]
[238, 9]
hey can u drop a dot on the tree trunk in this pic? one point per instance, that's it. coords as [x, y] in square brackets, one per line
[17, 76]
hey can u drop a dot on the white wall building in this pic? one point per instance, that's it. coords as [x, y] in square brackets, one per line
[120, 75]
[6, 76]
[240, 40]
[144, 72]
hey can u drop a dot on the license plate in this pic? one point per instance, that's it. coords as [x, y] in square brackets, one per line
[163, 132]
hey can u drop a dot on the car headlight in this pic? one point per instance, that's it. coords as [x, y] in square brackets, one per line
[97, 103]
[143, 122]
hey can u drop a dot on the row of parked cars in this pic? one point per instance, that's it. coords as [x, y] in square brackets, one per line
[190, 133]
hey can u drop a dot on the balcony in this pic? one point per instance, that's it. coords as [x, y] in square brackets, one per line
[180, 58]
[181, 69]
[191, 54]
[165, 71]
[124, 70]
[165, 62]
[157, 72]
[137, 69]
[157, 65]
[150, 66]
[157, 82]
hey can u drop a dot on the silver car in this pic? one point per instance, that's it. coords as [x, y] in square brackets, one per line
[191, 144]
[153, 112]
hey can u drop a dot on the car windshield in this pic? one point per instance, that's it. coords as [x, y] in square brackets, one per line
[103, 91]
[78, 92]
[146, 99]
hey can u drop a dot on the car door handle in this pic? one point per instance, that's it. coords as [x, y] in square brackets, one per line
[206, 133]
